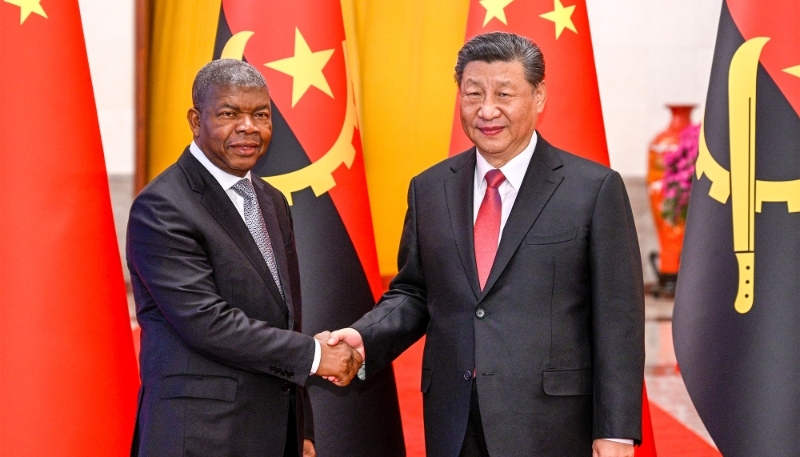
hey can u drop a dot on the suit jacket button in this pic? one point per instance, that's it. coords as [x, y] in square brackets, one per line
[286, 386]
[480, 313]
[467, 375]
[290, 373]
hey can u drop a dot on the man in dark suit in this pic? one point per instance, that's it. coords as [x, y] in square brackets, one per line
[214, 272]
[520, 264]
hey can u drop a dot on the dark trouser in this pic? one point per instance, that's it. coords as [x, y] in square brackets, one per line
[474, 441]
[290, 449]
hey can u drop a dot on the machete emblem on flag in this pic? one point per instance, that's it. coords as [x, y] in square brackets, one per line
[318, 175]
[740, 183]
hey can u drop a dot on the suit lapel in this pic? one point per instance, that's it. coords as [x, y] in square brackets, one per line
[459, 189]
[219, 205]
[278, 247]
[538, 185]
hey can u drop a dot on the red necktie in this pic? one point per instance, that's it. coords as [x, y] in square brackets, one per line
[487, 225]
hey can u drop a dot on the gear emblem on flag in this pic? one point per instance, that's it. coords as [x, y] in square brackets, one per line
[740, 184]
[318, 175]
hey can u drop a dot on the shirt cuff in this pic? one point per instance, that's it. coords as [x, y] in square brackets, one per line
[618, 440]
[317, 356]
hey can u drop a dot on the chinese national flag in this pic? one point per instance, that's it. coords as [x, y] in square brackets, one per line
[68, 377]
[572, 119]
[315, 159]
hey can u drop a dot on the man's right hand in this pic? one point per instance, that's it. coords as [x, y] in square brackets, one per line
[339, 363]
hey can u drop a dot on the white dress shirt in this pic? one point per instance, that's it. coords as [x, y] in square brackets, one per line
[514, 171]
[227, 181]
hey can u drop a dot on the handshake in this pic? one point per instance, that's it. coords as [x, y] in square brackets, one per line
[342, 355]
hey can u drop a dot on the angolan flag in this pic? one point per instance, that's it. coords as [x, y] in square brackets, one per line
[315, 159]
[737, 306]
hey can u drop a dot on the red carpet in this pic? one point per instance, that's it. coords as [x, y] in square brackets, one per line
[673, 439]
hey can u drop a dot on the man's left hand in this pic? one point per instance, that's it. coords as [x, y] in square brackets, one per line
[606, 448]
[308, 449]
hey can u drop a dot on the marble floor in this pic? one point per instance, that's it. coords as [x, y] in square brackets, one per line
[664, 383]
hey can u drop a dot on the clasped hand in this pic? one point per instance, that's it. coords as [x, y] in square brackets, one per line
[340, 360]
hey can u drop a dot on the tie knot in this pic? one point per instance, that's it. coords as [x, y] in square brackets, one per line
[244, 188]
[494, 178]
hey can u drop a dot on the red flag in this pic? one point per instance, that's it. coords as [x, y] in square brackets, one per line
[572, 119]
[68, 381]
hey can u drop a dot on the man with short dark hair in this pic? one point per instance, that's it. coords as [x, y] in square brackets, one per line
[214, 271]
[520, 263]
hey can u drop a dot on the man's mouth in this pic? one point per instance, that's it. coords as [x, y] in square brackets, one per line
[491, 130]
[245, 147]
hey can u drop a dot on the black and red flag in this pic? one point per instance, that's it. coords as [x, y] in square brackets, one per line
[315, 159]
[737, 306]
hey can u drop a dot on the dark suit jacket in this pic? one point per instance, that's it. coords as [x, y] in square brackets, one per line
[218, 360]
[556, 336]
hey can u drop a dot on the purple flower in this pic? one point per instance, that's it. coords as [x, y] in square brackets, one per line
[679, 163]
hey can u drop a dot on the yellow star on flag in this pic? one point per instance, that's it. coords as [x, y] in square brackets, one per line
[495, 9]
[794, 71]
[561, 16]
[305, 68]
[26, 7]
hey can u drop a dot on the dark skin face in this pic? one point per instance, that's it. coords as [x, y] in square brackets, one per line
[233, 127]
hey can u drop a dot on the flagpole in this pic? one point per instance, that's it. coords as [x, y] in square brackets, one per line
[143, 22]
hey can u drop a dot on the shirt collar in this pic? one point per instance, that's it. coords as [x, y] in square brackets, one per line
[226, 180]
[514, 170]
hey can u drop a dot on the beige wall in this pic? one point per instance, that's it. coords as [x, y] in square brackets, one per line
[108, 29]
[649, 53]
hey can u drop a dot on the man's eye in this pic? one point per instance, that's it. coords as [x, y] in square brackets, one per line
[227, 114]
[261, 115]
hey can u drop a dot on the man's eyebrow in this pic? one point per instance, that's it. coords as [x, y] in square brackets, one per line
[473, 80]
[237, 108]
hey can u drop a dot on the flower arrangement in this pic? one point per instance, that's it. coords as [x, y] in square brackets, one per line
[678, 170]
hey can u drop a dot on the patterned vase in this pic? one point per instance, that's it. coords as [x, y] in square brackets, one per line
[670, 237]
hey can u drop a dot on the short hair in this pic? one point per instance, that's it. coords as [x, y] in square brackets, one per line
[502, 47]
[224, 73]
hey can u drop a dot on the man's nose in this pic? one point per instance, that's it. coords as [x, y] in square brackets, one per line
[488, 108]
[246, 124]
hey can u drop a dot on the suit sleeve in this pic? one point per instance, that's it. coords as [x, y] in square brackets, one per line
[164, 252]
[617, 314]
[401, 316]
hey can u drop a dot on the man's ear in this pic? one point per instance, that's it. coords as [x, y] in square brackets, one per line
[540, 96]
[193, 116]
